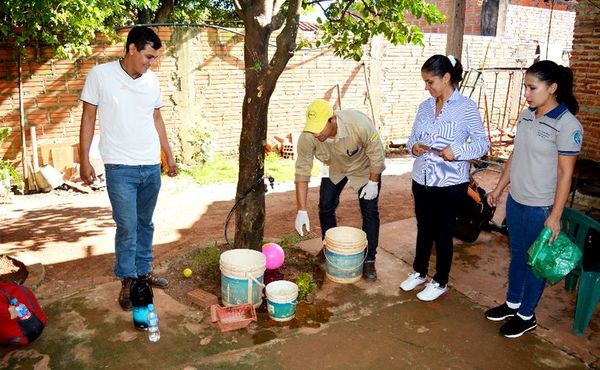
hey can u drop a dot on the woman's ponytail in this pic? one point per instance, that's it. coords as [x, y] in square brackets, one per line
[550, 72]
[564, 93]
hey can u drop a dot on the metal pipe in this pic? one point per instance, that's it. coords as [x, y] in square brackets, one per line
[22, 119]
[549, 29]
[369, 94]
[505, 103]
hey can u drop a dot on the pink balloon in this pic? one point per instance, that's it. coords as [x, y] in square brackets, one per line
[274, 255]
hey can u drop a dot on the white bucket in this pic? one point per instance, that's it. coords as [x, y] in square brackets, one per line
[242, 276]
[345, 252]
[281, 300]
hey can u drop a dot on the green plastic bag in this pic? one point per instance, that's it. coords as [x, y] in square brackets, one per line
[553, 262]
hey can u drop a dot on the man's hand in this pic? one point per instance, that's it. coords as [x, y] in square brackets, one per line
[369, 191]
[171, 167]
[87, 173]
[302, 220]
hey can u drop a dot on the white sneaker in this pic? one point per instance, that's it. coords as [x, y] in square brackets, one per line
[413, 281]
[432, 291]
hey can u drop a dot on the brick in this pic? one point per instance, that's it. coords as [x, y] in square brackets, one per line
[202, 298]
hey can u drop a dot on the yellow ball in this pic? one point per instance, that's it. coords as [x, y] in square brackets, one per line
[187, 273]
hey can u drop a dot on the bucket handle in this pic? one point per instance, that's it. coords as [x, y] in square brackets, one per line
[346, 269]
[250, 280]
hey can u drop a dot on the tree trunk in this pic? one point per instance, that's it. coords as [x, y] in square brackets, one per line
[260, 18]
[250, 216]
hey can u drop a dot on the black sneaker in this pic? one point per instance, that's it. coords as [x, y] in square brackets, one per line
[516, 327]
[125, 295]
[500, 313]
[369, 272]
[155, 280]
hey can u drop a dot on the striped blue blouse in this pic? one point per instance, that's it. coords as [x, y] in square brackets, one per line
[458, 125]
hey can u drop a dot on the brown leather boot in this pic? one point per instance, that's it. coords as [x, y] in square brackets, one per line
[124, 295]
[155, 280]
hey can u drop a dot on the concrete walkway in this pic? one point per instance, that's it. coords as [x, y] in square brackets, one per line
[361, 326]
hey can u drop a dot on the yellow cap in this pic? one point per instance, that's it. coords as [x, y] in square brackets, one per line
[317, 115]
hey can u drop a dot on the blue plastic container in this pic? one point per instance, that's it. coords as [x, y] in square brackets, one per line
[282, 297]
[345, 251]
[242, 277]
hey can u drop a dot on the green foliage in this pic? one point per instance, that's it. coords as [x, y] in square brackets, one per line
[306, 285]
[5, 165]
[288, 241]
[203, 143]
[66, 26]
[69, 26]
[218, 12]
[350, 24]
[206, 258]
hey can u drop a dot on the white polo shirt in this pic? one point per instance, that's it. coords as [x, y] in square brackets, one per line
[538, 143]
[125, 112]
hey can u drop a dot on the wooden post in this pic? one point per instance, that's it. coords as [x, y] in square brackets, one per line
[456, 28]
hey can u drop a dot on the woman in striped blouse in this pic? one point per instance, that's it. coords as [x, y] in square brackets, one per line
[447, 133]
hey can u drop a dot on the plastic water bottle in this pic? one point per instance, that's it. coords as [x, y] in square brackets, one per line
[153, 332]
[20, 309]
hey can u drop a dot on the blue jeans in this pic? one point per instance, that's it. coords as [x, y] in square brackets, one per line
[524, 225]
[133, 191]
[329, 199]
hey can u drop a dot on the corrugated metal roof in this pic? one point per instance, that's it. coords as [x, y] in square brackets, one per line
[308, 26]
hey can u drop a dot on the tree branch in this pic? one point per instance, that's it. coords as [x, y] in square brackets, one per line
[345, 10]
[238, 8]
[286, 45]
[277, 19]
[164, 11]
[277, 6]
[371, 10]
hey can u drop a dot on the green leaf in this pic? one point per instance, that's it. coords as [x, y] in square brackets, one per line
[346, 33]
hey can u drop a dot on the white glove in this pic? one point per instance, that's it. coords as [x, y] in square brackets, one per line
[302, 220]
[369, 191]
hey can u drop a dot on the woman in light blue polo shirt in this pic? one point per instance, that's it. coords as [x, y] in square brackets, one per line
[447, 133]
[539, 171]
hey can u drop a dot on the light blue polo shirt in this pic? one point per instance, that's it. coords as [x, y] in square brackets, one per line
[538, 143]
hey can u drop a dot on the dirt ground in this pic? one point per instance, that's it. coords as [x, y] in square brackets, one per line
[60, 226]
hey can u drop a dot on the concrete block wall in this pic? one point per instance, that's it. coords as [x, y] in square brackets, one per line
[202, 80]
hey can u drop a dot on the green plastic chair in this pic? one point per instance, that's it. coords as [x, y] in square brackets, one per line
[577, 226]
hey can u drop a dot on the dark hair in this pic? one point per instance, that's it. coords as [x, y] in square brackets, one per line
[438, 65]
[141, 36]
[550, 72]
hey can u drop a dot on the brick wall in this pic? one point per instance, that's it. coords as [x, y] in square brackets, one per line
[585, 62]
[201, 73]
[524, 7]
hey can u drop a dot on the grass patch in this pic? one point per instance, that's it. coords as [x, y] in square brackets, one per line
[290, 240]
[222, 170]
[206, 258]
[219, 170]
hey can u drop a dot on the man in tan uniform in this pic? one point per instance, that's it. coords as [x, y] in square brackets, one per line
[348, 143]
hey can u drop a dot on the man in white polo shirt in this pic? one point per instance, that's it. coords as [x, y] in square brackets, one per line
[126, 96]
